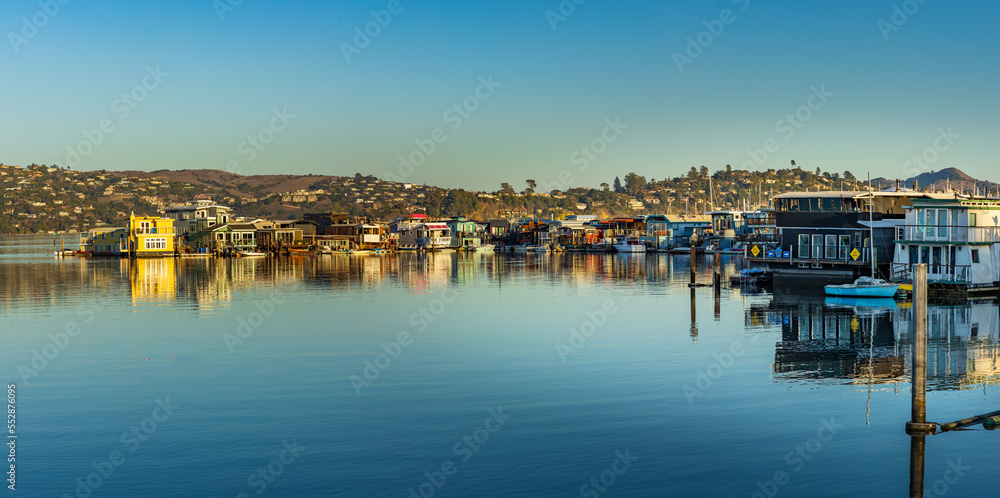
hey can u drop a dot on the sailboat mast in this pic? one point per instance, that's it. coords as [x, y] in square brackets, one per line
[871, 224]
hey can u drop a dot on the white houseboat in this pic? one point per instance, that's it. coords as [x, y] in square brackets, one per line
[957, 237]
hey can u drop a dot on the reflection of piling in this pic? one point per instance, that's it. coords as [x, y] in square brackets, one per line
[917, 450]
[694, 318]
[718, 287]
[918, 417]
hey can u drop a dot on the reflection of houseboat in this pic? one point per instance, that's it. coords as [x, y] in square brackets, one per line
[959, 240]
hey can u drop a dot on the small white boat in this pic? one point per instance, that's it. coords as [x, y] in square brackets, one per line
[629, 245]
[483, 247]
[541, 248]
[863, 287]
[248, 254]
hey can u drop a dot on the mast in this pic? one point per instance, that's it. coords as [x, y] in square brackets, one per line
[871, 223]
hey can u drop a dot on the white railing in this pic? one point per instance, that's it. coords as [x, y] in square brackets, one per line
[949, 233]
[935, 273]
[153, 231]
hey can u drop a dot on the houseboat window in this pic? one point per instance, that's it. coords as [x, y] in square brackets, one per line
[930, 221]
[803, 246]
[975, 255]
[817, 243]
[913, 255]
[936, 260]
[972, 219]
[831, 247]
[925, 254]
[845, 247]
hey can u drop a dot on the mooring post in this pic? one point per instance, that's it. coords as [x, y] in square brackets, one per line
[718, 271]
[694, 264]
[918, 416]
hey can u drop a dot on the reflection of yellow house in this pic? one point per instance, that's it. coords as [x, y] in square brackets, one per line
[151, 236]
[153, 279]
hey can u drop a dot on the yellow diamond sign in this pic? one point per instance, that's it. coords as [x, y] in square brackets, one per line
[755, 251]
[855, 254]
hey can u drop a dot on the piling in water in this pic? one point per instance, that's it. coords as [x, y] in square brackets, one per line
[918, 413]
[694, 264]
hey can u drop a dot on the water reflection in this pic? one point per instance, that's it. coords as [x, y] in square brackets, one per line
[868, 342]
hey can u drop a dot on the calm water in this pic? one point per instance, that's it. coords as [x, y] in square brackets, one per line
[195, 377]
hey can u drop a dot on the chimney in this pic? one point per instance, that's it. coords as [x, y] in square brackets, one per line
[897, 184]
[916, 186]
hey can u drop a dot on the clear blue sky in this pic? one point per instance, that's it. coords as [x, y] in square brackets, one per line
[227, 76]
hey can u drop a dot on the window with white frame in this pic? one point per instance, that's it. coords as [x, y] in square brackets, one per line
[157, 243]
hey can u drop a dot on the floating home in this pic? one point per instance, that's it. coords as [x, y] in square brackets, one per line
[826, 236]
[959, 240]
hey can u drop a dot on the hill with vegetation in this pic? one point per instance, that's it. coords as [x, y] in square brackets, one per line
[40, 198]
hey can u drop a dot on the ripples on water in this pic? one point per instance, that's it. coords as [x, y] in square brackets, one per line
[710, 392]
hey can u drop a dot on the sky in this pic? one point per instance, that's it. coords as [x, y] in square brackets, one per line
[471, 94]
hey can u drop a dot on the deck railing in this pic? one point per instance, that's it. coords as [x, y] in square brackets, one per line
[153, 231]
[935, 273]
[948, 233]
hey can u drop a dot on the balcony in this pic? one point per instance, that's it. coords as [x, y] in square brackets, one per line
[947, 233]
[959, 274]
[153, 231]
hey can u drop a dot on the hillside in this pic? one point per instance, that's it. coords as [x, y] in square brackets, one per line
[40, 198]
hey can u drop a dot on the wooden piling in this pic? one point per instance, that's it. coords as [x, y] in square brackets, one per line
[918, 413]
[694, 264]
[694, 318]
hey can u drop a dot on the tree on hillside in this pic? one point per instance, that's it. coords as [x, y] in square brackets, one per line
[605, 186]
[506, 189]
[634, 184]
[703, 171]
[618, 185]
[531, 187]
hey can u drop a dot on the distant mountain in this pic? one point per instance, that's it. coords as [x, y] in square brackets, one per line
[952, 178]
